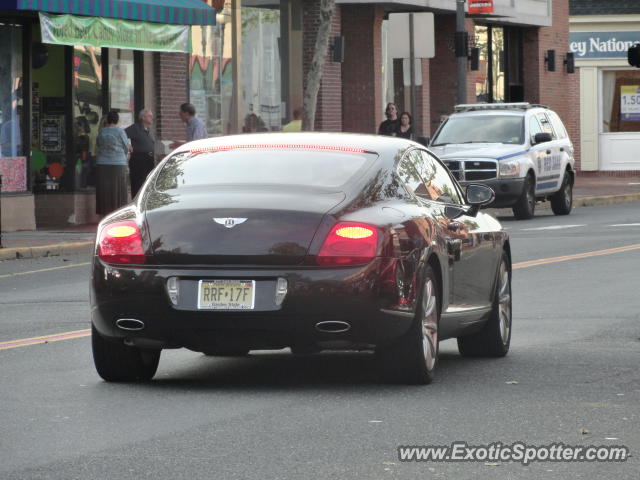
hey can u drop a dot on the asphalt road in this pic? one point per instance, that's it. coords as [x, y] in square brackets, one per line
[574, 356]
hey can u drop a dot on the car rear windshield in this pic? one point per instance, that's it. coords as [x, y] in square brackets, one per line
[261, 166]
[481, 129]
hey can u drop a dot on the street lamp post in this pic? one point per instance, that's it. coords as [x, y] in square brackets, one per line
[461, 53]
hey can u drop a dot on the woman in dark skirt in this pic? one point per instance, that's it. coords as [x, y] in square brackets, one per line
[112, 153]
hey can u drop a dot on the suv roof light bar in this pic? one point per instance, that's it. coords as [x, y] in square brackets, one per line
[470, 107]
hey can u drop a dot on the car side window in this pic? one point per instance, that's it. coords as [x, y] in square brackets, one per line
[438, 183]
[558, 125]
[409, 176]
[534, 127]
[546, 125]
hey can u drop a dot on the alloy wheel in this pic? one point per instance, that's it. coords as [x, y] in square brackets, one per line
[504, 303]
[430, 324]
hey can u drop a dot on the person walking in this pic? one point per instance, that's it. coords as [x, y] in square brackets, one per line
[405, 127]
[143, 145]
[112, 150]
[390, 125]
[196, 128]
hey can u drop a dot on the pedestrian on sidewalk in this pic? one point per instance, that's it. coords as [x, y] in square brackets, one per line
[143, 145]
[196, 128]
[390, 125]
[112, 152]
[405, 127]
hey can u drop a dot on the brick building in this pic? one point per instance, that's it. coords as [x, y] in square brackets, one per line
[247, 73]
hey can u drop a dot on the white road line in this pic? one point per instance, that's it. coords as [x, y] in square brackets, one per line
[552, 227]
[625, 225]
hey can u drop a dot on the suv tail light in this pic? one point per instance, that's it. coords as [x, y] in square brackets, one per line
[349, 243]
[121, 242]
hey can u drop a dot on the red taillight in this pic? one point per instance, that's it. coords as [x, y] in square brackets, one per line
[349, 244]
[121, 242]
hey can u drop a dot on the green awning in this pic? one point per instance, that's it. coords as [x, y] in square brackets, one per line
[177, 12]
[114, 33]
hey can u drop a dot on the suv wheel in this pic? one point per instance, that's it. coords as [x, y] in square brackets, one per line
[524, 208]
[562, 200]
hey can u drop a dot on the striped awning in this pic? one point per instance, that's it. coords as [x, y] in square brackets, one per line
[177, 12]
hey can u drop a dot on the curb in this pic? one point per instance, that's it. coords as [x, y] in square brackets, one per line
[46, 250]
[605, 200]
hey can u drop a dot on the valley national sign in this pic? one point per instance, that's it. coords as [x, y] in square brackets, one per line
[588, 45]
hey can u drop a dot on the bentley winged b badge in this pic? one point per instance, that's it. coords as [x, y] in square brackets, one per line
[229, 222]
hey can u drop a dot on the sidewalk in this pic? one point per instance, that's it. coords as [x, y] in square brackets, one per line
[588, 191]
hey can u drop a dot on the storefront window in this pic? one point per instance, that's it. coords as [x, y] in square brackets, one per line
[209, 69]
[260, 99]
[87, 111]
[121, 85]
[481, 76]
[498, 64]
[490, 77]
[621, 101]
[13, 164]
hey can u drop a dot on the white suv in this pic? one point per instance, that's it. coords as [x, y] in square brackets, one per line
[520, 150]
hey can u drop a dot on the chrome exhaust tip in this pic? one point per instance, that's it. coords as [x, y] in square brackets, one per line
[130, 324]
[333, 326]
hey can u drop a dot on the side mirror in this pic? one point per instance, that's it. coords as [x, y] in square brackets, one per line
[478, 196]
[541, 137]
[423, 141]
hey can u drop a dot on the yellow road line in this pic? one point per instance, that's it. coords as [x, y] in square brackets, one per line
[576, 256]
[7, 275]
[85, 333]
[45, 339]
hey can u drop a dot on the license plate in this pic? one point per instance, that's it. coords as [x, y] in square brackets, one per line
[226, 294]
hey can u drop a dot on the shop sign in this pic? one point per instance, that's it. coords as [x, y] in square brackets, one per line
[480, 6]
[114, 33]
[630, 103]
[602, 44]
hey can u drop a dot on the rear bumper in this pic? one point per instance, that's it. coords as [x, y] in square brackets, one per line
[365, 297]
[507, 190]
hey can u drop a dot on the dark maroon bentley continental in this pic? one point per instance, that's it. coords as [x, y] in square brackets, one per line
[310, 241]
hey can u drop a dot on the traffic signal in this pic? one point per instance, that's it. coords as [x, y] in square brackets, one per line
[633, 55]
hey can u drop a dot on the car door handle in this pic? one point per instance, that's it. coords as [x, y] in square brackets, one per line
[562, 149]
[455, 226]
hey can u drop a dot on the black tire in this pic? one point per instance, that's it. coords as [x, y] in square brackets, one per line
[227, 352]
[494, 339]
[117, 362]
[562, 200]
[413, 358]
[525, 207]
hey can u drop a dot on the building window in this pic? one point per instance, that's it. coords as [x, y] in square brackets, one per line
[87, 111]
[261, 96]
[621, 101]
[210, 72]
[13, 163]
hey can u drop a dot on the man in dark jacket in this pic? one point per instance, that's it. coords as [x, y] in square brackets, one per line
[143, 144]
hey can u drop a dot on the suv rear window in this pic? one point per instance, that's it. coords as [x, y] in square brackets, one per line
[481, 129]
[261, 166]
